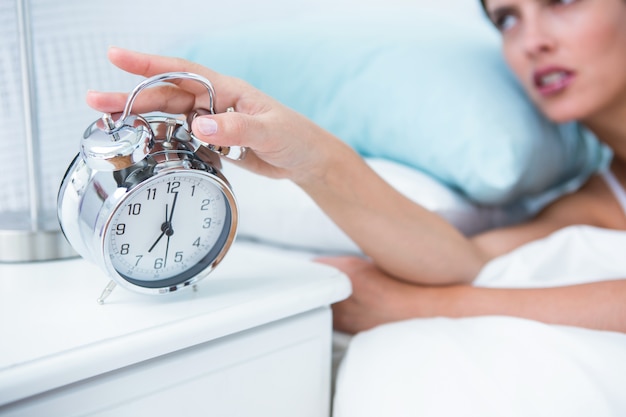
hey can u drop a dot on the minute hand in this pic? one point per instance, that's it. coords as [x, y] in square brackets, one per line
[172, 212]
[170, 230]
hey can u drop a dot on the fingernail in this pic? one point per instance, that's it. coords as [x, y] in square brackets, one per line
[205, 125]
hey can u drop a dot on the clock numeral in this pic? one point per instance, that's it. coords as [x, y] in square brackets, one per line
[138, 259]
[207, 223]
[151, 193]
[193, 190]
[124, 249]
[134, 209]
[205, 204]
[172, 186]
[196, 242]
[178, 257]
[120, 229]
[158, 263]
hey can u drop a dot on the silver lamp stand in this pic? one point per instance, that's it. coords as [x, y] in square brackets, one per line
[32, 235]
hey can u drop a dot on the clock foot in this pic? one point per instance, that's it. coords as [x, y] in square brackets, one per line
[106, 292]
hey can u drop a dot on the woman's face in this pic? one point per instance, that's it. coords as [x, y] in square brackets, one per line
[570, 55]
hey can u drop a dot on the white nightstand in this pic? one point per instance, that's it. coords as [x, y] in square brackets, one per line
[254, 340]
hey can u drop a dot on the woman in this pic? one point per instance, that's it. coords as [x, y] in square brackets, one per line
[569, 56]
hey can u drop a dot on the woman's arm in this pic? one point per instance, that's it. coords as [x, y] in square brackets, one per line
[378, 299]
[402, 238]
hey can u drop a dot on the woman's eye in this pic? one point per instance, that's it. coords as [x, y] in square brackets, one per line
[561, 2]
[505, 22]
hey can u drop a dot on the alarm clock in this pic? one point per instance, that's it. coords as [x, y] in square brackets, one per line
[146, 200]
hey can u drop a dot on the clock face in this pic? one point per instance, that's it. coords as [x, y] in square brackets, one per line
[169, 229]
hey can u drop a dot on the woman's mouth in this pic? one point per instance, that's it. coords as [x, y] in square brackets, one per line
[550, 81]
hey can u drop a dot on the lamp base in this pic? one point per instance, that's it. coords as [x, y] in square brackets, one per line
[19, 243]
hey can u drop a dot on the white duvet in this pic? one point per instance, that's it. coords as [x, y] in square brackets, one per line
[497, 366]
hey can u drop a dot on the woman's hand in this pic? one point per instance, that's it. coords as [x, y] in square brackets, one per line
[281, 142]
[376, 297]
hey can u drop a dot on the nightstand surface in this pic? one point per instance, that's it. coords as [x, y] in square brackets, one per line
[54, 333]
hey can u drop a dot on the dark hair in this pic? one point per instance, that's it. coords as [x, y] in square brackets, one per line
[484, 7]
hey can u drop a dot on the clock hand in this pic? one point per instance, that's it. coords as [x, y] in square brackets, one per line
[168, 230]
[172, 213]
[164, 227]
[157, 241]
[167, 248]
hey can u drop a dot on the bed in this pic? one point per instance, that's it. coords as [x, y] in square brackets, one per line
[495, 366]
[480, 366]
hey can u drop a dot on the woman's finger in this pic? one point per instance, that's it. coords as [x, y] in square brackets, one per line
[165, 98]
[228, 90]
[106, 102]
[148, 65]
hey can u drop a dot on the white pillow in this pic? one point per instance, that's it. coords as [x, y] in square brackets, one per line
[281, 213]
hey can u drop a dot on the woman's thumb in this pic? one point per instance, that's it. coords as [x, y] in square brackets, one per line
[226, 129]
[204, 127]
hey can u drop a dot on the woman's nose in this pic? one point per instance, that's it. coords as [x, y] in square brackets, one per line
[537, 39]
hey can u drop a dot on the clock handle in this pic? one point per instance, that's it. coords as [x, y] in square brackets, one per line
[164, 77]
[232, 152]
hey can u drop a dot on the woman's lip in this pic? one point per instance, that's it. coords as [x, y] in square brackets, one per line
[552, 80]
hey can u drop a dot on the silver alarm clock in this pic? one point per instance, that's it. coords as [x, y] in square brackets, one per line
[146, 200]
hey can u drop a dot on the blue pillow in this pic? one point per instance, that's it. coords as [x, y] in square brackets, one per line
[429, 90]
